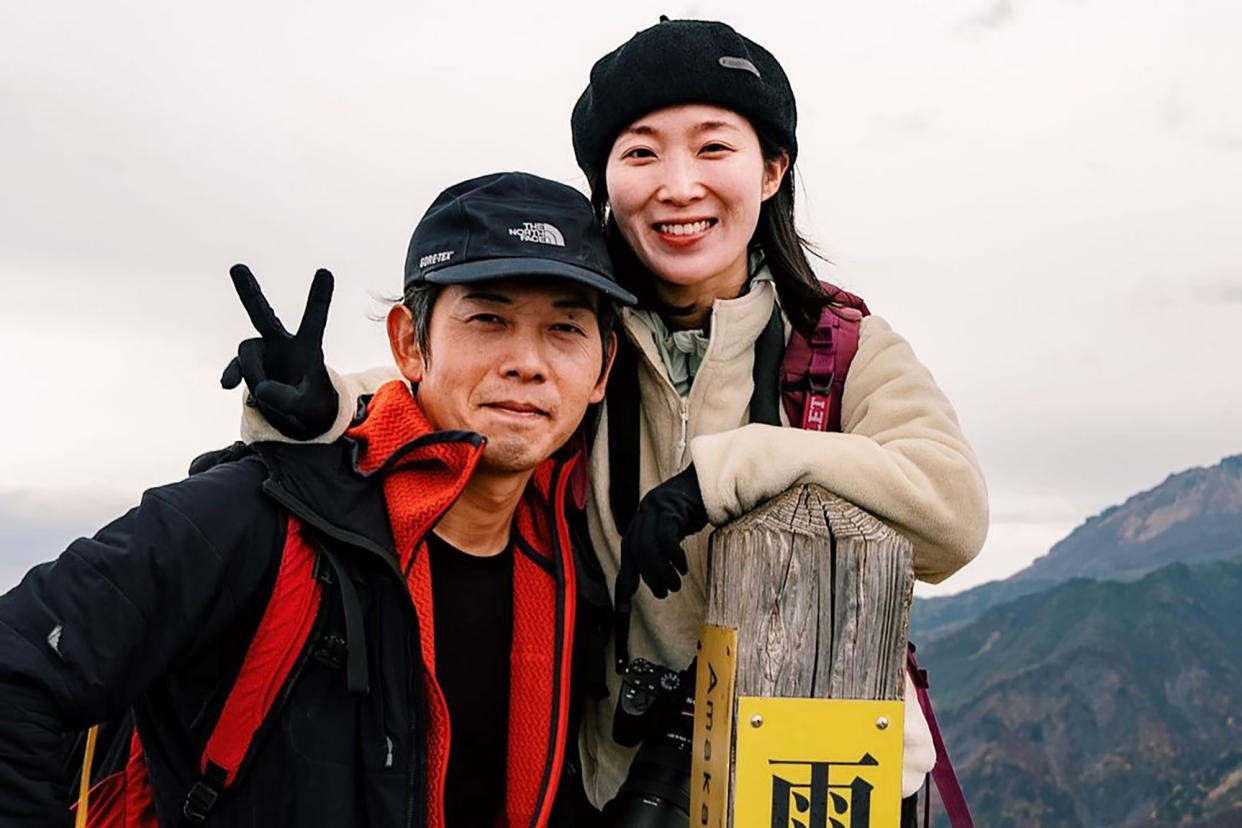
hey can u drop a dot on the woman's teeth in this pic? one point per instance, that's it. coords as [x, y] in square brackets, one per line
[684, 229]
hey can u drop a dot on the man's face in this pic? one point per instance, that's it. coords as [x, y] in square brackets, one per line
[516, 360]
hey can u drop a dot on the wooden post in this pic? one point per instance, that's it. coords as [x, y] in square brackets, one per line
[819, 593]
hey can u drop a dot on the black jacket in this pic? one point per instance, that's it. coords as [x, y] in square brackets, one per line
[156, 611]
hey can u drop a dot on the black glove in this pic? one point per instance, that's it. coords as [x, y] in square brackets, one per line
[285, 373]
[651, 546]
[211, 459]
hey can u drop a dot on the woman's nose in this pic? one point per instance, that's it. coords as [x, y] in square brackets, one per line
[680, 182]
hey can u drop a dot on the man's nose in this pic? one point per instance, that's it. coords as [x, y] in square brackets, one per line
[524, 358]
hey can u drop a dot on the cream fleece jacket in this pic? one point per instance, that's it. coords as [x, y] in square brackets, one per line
[901, 456]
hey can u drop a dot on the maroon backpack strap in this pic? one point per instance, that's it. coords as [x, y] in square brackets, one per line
[276, 647]
[942, 774]
[813, 369]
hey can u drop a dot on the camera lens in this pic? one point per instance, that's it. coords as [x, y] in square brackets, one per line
[656, 792]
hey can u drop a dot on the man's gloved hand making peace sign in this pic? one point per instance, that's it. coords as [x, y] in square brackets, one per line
[285, 372]
[289, 384]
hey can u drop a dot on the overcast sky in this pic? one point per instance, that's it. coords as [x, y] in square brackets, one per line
[1044, 198]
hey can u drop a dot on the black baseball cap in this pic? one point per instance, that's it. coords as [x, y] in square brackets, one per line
[511, 224]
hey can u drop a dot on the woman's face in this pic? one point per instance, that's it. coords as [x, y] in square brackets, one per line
[685, 184]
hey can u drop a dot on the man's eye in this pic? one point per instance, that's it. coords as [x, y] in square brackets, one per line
[486, 318]
[568, 327]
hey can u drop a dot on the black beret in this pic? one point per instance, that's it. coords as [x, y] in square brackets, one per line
[677, 62]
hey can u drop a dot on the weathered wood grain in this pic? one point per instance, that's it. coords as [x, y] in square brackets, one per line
[819, 592]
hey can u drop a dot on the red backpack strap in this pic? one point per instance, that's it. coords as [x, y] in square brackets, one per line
[277, 644]
[813, 369]
[139, 798]
[942, 774]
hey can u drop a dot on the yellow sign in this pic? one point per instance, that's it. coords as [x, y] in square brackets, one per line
[713, 727]
[818, 763]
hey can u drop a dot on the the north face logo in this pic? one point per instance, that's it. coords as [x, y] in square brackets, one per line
[539, 232]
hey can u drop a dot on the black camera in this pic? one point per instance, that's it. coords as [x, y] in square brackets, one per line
[656, 707]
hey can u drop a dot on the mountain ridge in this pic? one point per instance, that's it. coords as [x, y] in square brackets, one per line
[1194, 515]
[1100, 703]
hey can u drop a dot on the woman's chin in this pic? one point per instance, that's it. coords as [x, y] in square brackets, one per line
[682, 269]
[695, 278]
[706, 262]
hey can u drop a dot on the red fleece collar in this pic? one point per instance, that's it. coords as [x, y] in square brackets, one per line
[395, 434]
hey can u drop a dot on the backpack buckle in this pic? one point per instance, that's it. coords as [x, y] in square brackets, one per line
[322, 570]
[199, 802]
[331, 650]
[815, 409]
[817, 387]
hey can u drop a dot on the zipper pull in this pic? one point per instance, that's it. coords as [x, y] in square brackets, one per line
[681, 442]
[388, 756]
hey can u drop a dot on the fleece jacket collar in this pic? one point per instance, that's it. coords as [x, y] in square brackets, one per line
[735, 325]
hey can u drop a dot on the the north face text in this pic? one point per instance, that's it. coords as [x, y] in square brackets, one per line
[540, 232]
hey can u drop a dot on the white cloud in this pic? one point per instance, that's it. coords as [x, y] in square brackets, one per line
[1013, 203]
[997, 14]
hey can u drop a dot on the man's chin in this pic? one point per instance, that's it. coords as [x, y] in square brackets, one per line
[509, 455]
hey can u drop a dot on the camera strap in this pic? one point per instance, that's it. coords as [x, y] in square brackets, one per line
[623, 449]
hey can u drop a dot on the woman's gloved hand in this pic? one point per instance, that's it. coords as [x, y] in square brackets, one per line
[651, 546]
[285, 373]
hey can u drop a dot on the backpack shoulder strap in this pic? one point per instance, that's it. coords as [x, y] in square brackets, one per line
[124, 797]
[269, 665]
[814, 368]
[622, 407]
[765, 406]
[942, 774]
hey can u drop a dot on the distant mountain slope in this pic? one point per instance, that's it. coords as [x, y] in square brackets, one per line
[932, 618]
[1097, 704]
[1193, 516]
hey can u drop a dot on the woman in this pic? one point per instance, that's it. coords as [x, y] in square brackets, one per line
[687, 135]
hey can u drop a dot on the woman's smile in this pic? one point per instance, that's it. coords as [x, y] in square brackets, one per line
[684, 233]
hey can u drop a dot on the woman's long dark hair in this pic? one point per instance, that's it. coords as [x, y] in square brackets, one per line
[802, 296]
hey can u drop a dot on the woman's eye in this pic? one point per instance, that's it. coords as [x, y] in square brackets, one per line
[638, 152]
[716, 148]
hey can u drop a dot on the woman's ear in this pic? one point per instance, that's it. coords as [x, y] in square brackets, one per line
[773, 173]
[404, 343]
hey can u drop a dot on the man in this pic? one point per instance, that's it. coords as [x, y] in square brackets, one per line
[432, 687]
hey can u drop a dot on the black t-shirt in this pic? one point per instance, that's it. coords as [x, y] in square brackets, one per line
[473, 600]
